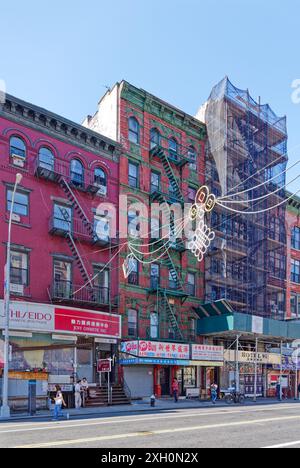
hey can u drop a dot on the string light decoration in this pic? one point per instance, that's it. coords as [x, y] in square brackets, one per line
[128, 266]
[203, 237]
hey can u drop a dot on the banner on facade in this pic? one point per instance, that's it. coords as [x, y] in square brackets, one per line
[207, 353]
[153, 349]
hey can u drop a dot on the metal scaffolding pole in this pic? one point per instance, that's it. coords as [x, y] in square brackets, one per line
[255, 377]
[237, 365]
[281, 369]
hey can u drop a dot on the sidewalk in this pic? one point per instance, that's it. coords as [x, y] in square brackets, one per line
[144, 406]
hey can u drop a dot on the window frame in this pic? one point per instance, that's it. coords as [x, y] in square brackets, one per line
[16, 203]
[74, 181]
[134, 180]
[135, 322]
[20, 152]
[25, 255]
[46, 165]
[134, 133]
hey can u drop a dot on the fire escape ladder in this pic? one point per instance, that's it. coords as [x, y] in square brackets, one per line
[171, 177]
[73, 199]
[78, 259]
[171, 317]
[173, 271]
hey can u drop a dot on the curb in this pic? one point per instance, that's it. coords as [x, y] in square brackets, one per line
[148, 410]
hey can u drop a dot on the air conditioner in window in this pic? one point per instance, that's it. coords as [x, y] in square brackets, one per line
[16, 218]
[18, 160]
[102, 189]
[17, 289]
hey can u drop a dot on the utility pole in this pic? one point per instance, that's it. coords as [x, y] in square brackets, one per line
[237, 365]
[5, 410]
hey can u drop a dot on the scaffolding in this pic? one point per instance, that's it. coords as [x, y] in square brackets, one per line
[247, 146]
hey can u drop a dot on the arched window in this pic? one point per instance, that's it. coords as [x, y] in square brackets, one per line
[173, 148]
[155, 138]
[77, 173]
[101, 180]
[134, 130]
[296, 238]
[46, 158]
[17, 149]
[192, 156]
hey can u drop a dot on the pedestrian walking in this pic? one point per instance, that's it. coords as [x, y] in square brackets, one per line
[59, 403]
[175, 389]
[78, 400]
[214, 393]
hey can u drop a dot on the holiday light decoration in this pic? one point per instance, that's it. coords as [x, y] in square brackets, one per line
[128, 266]
[203, 237]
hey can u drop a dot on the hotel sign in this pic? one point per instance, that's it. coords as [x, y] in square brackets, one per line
[251, 357]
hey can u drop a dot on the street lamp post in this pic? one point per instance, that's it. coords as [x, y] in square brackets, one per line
[5, 410]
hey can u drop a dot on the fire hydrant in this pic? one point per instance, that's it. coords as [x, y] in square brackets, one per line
[152, 401]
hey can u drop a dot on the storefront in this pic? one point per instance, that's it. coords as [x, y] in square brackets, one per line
[150, 367]
[56, 345]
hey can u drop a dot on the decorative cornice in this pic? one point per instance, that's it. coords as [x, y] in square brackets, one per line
[156, 106]
[58, 127]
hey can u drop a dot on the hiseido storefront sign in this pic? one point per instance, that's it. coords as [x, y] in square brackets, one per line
[29, 317]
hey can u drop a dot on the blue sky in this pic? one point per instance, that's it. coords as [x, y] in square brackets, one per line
[62, 54]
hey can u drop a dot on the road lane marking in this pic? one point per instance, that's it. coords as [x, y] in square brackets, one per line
[61, 443]
[107, 421]
[288, 444]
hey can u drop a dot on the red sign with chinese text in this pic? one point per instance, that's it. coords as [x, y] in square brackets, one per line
[83, 322]
[104, 365]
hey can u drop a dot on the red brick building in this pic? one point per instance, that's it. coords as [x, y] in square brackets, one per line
[162, 162]
[64, 300]
[293, 259]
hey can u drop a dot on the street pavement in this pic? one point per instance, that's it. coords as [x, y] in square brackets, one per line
[262, 426]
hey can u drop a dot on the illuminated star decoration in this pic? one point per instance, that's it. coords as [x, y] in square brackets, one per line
[203, 237]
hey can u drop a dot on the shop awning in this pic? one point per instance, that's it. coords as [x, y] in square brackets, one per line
[214, 309]
[228, 323]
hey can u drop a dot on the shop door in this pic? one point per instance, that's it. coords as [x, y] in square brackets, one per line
[165, 381]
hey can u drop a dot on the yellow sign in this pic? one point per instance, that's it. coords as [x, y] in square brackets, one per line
[41, 376]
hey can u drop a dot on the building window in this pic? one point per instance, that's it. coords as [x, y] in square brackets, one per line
[296, 238]
[101, 283]
[295, 271]
[173, 149]
[294, 309]
[191, 284]
[192, 156]
[62, 278]
[21, 203]
[77, 173]
[62, 218]
[133, 278]
[192, 327]
[17, 151]
[134, 227]
[132, 323]
[46, 158]
[173, 281]
[192, 194]
[102, 228]
[19, 269]
[277, 265]
[134, 130]
[155, 138]
[154, 326]
[133, 175]
[155, 276]
[155, 182]
[100, 180]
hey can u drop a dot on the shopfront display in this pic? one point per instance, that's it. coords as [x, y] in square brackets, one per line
[59, 344]
[167, 361]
